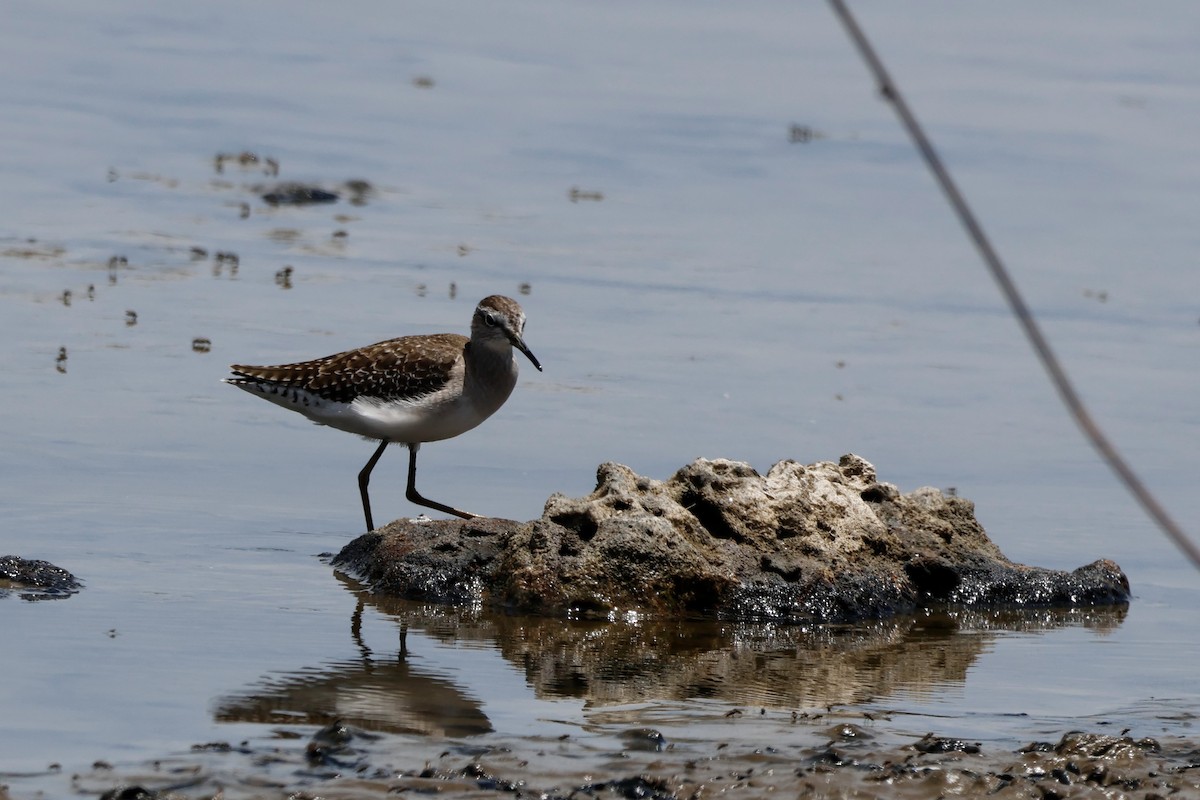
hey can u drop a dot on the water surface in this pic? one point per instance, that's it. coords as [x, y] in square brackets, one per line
[733, 294]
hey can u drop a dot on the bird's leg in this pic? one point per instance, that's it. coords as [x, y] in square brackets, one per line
[415, 497]
[364, 478]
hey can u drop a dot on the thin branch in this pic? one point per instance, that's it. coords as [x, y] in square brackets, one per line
[1066, 391]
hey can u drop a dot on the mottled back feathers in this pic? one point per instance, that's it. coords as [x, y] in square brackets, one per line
[397, 369]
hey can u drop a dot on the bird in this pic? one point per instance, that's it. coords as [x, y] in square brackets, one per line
[409, 390]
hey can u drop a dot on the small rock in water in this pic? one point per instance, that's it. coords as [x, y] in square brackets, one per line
[35, 580]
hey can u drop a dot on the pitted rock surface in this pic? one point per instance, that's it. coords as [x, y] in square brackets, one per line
[823, 542]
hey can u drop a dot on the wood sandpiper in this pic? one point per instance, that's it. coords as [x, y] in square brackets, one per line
[408, 391]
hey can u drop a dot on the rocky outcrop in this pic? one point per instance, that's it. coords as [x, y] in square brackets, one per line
[820, 542]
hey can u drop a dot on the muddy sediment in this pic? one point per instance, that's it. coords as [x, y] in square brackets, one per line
[824, 542]
[759, 754]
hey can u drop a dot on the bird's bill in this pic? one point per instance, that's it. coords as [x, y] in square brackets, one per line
[519, 343]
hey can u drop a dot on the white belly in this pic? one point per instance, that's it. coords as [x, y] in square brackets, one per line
[442, 415]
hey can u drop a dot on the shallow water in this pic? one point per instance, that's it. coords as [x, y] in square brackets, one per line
[733, 294]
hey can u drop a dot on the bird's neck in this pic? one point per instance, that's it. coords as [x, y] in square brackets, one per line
[490, 368]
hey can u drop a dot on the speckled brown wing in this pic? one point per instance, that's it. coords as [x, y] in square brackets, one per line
[403, 368]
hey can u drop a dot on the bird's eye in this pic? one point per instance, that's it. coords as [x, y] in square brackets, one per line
[489, 318]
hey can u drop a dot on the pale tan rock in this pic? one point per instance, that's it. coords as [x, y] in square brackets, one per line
[819, 542]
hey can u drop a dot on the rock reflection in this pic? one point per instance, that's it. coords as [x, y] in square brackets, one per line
[751, 664]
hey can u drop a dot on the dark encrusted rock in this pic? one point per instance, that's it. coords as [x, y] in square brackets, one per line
[35, 580]
[445, 561]
[820, 542]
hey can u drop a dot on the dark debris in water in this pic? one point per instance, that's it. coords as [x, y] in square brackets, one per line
[36, 580]
[246, 160]
[940, 744]
[647, 739]
[298, 194]
[638, 787]
[334, 744]
[131, 793]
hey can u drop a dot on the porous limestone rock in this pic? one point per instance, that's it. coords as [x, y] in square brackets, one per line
[823, 542]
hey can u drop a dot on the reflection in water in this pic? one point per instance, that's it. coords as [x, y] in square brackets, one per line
[753, 664]
[760, 665]
[611, 663]
[390, 696]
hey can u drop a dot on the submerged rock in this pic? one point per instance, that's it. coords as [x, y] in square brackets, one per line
[822, 542]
